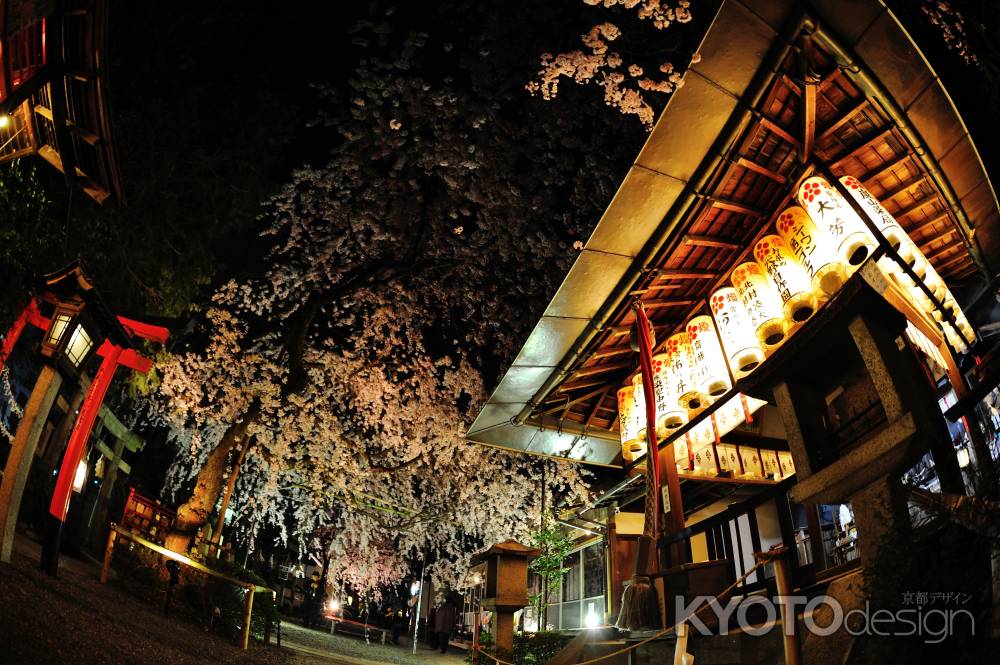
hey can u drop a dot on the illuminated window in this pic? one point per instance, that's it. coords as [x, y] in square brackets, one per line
[59, 325]
[79, 345]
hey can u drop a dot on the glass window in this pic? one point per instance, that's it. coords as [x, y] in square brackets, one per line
[593, 571]
[59, 324]
[552, 617]
[571, 616]
[79, 345]
[571, 582]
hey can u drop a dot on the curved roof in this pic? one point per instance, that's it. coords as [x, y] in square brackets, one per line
[754, 114]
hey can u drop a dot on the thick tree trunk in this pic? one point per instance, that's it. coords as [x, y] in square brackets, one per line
[193, 515]
[234, 473]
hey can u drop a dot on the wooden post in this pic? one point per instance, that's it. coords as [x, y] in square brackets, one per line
[475, 638]
[680, 647]
[108, 551]
[22, 452]
[247, 611]
[783, 582]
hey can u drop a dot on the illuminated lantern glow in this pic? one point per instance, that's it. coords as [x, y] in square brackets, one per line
[761, 302]
[631, 419]
[769, 460]
[934, 282]
[681, 357]
[681, 458]
[752, 466]
[702, 438]
[80, 477]
[886, 223]
[788, 276]
[736, 330]
[731, 415]
[786, 464]
[728, 458]
[812, 247]
[709, 369]
[832, 213]
[640, 405]
[669, 414]
[953, 337]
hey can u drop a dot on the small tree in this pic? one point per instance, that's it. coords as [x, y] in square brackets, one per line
[555, 545]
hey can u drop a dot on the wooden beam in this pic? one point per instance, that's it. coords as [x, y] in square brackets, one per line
[808, 122]
[963, 271]
[668, 302]
[905, 187]
[842, 120]
[929, 224]
[885, 168]
[853, 151]
[656, 287]
[922, 203]
[774, 128]
[671, 273]
[601, 369]
[597, 407]
[695, 240]
[946, 234]
[943, 249]
[733, 206]
[955, 259]
[577, 385]
[612, 351]
[564, 404]
[764, 171]
[830, 79]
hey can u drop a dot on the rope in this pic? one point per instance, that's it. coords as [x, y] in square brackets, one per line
[665, 631]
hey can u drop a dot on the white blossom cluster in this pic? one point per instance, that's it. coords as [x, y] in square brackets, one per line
[603, 66]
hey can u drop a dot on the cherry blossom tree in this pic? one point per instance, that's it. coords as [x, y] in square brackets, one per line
[606, 67]
[402, 274]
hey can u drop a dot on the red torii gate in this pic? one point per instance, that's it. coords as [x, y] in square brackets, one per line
[112, 355]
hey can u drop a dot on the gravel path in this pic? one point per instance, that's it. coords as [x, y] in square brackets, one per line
[74, 620]
[315, 647]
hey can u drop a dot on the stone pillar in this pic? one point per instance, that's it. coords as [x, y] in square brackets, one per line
[22, 453]
[878, 515]
[506, 588]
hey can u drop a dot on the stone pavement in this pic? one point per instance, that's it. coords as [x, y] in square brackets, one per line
[318, 647]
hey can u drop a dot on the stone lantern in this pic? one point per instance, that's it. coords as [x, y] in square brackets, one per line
[506, 587]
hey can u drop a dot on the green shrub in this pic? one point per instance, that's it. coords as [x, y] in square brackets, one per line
[529, 648]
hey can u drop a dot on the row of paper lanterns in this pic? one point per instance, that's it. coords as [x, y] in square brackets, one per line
[818, 244]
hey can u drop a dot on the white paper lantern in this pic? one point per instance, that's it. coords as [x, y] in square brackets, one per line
[631, 420]
[886, 223]
[831, 212]
[669, 413]
[788, 276]
[709, 369]
[737, 331]
[679, 352]
[762, 303]
[813, 248]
